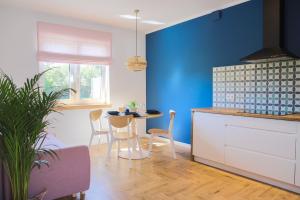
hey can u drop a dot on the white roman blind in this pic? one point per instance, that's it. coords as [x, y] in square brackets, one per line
[64, 44]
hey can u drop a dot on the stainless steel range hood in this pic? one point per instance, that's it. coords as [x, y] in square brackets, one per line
[273, 34]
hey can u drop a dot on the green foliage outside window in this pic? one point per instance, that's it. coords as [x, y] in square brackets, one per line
[57, 78]
[87, 74]
[88, 80]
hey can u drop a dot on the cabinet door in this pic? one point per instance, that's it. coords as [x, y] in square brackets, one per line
[268, 142]
[208, 136]
[297, 177]
[276, 126]
[261, 164]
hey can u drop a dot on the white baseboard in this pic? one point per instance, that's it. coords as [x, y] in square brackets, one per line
[177, 144]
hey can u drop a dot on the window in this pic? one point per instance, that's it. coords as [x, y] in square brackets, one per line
[75, 58]
[90, 82]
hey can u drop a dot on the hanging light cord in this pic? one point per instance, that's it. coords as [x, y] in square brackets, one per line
[136, 13]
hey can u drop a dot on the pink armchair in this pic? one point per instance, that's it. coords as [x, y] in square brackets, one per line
[67, 175]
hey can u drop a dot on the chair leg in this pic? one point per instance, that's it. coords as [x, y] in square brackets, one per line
[100, 139]
[91, 139]
[82, 195]
[118, 148]
[150, 144]
[139, 146]
[107, 138]
[129, 153]
[109, 150]
[173, 147]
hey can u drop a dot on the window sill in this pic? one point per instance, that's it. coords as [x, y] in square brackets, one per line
[81, 106]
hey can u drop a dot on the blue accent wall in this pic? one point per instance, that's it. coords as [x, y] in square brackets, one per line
[180, 60]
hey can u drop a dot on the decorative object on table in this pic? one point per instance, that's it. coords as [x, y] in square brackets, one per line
[122, 109]
[152, 112]
[155, 132]
[133, 106]
[134, 114]
[23, 112]
[136, 63]
[97, 126]
[113, 112]
[127, 112]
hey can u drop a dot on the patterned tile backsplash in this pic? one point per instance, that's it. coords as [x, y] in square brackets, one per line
[267, 88]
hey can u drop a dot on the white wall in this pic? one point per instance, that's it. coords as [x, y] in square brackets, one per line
[18, 59]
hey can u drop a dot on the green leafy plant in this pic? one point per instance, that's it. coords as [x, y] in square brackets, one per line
[132, 105]
[23, 112]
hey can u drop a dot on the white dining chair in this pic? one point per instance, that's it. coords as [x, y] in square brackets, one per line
[120, 129]
[97, 127]
[155, 132]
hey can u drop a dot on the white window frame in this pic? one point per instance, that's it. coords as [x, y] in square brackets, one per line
[75, 84]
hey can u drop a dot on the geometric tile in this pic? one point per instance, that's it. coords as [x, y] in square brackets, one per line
[268, 88]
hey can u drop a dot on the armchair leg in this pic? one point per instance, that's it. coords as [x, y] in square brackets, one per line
[82, 195]
[74, 196]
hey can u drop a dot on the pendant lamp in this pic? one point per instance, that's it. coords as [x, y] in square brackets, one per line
[136, 63]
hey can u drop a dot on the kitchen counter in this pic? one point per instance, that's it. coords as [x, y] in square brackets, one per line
[258, 146]
[238, 112]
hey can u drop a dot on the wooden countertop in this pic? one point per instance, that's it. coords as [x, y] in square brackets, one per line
[238, 112]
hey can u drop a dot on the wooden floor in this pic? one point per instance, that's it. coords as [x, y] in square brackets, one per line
[162, 178]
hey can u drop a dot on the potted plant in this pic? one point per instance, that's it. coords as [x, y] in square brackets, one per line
[23, 112]
[133, 106]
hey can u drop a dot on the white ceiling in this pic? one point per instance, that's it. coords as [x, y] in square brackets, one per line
[107, 11]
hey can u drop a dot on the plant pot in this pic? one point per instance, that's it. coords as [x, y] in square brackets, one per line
[133, 110]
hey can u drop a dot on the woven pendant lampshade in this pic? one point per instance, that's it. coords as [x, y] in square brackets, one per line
[136, 63]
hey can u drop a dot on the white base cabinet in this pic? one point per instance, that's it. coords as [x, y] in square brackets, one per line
[263, 147]
[297, 176]
[208, 143]
[271, 143]
[262, 164]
